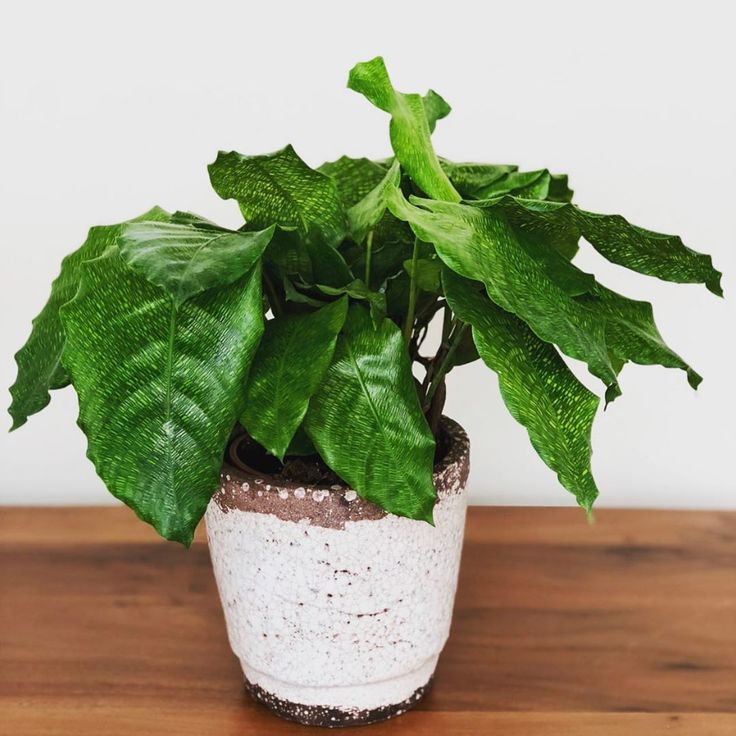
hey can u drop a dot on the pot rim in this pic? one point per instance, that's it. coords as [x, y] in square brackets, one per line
[457, 453]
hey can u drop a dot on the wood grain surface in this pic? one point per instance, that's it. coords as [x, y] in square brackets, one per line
[625, 627]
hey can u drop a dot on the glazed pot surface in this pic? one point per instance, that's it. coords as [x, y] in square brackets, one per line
[337, 610]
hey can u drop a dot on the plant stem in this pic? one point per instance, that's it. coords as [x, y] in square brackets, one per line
[409, 323]
[368, 254]
[272, 294]
[446, 363]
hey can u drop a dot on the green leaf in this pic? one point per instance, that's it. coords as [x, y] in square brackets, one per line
[466, 351]
[435, 108]
[559, 189]
[279, 188]
[366, 421]
[292, 294]
[353, 177]
[39, 360]
[291, 255]
[159, 386]
[479, 244]
[368, 212]
[393, 243]
[631, 333]
[427, 273]
[294, 355]
[357, 289]
[481, 181]
[409, 128]
[528, 184]
[538, 388]
[186, 259]
[469, 178]
[301, 445]
[644, 251]
[561, 304]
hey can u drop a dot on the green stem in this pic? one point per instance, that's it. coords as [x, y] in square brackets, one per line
[368, 254]
[409, 323]
[272, 294]
[446, 363]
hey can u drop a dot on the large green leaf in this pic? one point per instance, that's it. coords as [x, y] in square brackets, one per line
[479, 244]
[186, 259]
[538, 388]
[631, 333]
[159, 386]
[291, 360]
[409, 128]
[368, 212]
[561, 304]
[39, 360]
[366, 421]
[654, 254]
[279, 188]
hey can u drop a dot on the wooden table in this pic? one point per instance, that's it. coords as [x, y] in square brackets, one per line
[625, 627]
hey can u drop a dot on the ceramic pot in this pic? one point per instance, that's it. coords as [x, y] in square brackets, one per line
[337, 610]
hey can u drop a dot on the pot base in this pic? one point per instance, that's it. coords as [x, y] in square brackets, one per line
[329, 716]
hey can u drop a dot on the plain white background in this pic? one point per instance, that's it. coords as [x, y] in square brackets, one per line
[109, 108]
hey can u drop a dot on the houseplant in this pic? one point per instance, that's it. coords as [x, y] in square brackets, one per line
[288, 346]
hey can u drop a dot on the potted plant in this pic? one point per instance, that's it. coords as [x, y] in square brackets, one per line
[266, 375]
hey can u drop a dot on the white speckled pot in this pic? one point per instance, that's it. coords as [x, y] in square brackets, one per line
[337, 611]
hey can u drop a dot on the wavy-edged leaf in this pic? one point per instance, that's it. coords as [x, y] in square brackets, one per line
[562, 304]
[293, 356]
[481, 181]
[559, 189]
[159, 386]
[527, 184]
[353, 177]
[468, 178]
[279, 188]
[480, 244]
[39, 360]
[435, 108]
[188, 258]
[368, 212]
[539, 390]
[409, 129]
[366, 421]
[631, 333]
[644, 251]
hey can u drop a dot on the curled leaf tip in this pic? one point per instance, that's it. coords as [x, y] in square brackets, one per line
[714, 284]
[694, 379]
[612, 393]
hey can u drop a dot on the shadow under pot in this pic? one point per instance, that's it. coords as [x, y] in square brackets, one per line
[337, 610]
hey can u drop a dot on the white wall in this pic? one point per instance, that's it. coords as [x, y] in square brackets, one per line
[109, 108]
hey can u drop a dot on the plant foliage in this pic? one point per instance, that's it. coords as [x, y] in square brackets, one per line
[307, 324]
